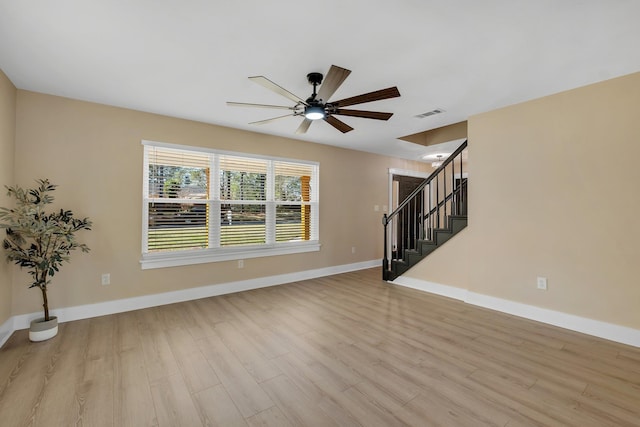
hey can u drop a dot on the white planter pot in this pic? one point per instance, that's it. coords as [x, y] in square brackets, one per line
[41, 330]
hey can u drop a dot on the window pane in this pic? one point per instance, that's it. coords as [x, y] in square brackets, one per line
[242, 185]
[178, 174]
[293, 223]
[288, 188]
[242, 178]
[292, 181]
[242, 225]
[174, 182]
[174, 226]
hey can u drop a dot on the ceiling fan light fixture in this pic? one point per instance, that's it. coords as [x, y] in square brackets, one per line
[314, 112]
[436, 159]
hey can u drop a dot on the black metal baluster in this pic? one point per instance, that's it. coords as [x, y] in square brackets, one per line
[454, 205]
[462, 189]
[415, 223]
[444, 191]
[430, 212]
[437, 202]
[405, 217]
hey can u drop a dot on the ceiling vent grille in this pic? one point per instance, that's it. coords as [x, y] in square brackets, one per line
[430, 113]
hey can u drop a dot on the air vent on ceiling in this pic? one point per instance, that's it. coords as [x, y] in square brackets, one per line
[430, 113]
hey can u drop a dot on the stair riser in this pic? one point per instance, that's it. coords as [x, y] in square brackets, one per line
[443, 236]
[400, 269]
[458, 225]
[427, 248]
[414, 258]
[424, 248]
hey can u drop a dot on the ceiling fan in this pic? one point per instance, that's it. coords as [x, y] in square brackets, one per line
[317, 107]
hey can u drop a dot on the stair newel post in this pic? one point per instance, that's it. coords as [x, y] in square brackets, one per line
[421, 215]
[385, 259]
[401, 237]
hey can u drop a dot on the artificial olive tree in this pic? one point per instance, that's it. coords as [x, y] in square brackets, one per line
[37, 240]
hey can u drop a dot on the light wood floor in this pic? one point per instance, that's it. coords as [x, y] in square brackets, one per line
[346, 350]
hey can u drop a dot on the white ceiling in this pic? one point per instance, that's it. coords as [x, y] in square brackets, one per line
[186, 58]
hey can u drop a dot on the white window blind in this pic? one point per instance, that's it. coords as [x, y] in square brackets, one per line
[293, 195]
[209, 205]
[243, 196]
[177, 195]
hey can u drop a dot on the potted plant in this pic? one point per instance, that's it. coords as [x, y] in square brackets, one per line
[40, 242]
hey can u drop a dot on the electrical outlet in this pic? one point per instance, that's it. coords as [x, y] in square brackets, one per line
[376, 208]
[353, 249]
[240, 263]
[106, 279]
[542, 283]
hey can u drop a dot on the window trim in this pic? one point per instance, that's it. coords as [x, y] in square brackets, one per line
[150, 260]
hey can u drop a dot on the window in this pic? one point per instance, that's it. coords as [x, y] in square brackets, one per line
[203, 205]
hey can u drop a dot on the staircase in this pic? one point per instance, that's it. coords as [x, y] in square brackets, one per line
[431, 215]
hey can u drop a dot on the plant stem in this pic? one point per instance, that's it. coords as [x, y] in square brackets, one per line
[45, 304]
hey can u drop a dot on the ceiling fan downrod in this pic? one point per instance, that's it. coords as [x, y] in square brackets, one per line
[315, 110]
[314, 79]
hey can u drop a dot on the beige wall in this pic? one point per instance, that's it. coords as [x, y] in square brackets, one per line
[7, 138]
[554, 191]
[93, 153]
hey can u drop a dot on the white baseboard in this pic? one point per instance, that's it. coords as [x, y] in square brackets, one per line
[6, 330]
[609, 331]
[431, 287]
[118, 306]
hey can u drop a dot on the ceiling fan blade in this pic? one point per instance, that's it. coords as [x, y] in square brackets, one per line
[261, 122]
[338, 124]
[332, 81]
[245, 104]
[304, 126]
[364, 114]
[391, 92]
[265, 82]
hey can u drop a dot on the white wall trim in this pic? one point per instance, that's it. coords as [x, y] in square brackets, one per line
[174, 259]
[609, 331]
[117, 306]
[407, 172]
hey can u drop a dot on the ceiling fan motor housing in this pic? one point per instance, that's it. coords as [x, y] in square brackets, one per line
[314, 78]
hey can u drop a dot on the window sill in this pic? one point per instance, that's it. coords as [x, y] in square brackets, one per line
[175, 259]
